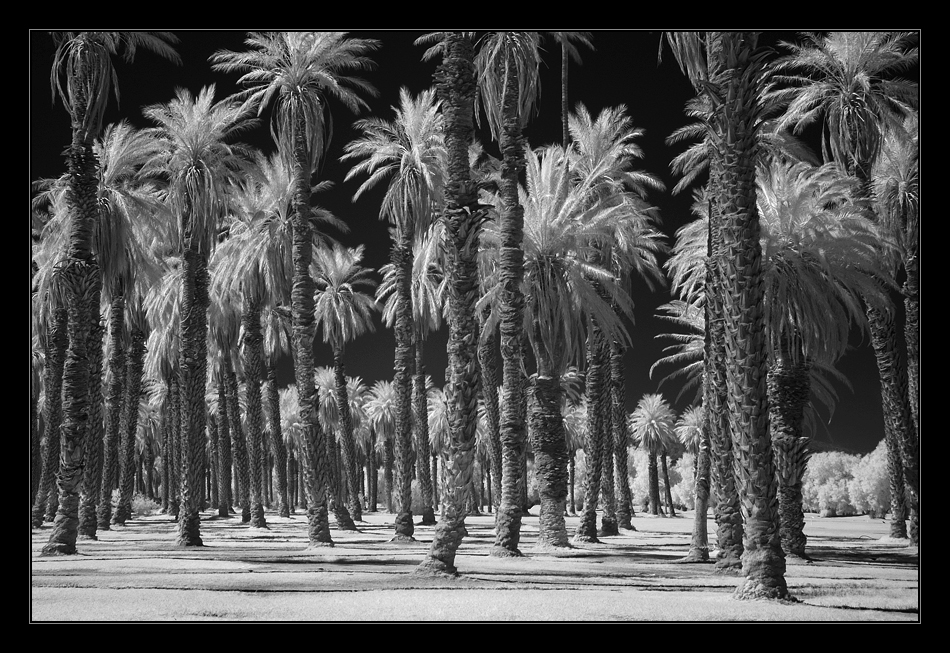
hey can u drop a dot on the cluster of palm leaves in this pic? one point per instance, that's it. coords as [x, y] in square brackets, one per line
[174, 269]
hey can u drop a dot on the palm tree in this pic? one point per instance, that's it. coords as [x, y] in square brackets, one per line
[508, 87]
[427, 287]
[848, 79]
[690, 429]
[300, 72]
[731, 70]
[606, 150]
[345, 311]
[564, 225]
[85, 60]
[407, 152]
[569, 51]
[381, 412]
[276, 345]
[652, 425]
[200, 166]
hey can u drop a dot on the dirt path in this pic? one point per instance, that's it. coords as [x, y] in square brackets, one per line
[137, 573]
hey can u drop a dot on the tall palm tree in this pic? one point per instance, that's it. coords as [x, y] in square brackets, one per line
[690, 428]
[84, 59]
[738, 75]
[200, 165]
[300, 72]
[606, 151]
[344, 309]
[330, 420]
[406, 152]
[569, 51]
[427, 288]
[508, 91]
[564, 225]
[849, 81]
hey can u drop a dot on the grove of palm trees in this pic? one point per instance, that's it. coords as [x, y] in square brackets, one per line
[397, 311]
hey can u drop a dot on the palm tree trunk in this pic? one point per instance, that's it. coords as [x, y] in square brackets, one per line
[699, 542]
[129, 426]
[596, 379]
[314, 462]
[666, 485]
[608, 518]
[571, 466]
[729, 531]
[224, 449]
[911, 292]
[56, 342]
[252, 350]
[421, 420]
[550, 456]
[621, 436]
[81, 279]
[511, 310]
[92, 474]
[388, 456]
[463, 217]
[489, 388]
[789, 384]
[402, 380]
[193, 366]
[898, 420]
[238, 442]
[114, 402]
[654, 475]
[278, 450]
[347, 448]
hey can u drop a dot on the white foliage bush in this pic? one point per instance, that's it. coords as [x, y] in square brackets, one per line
[825, 484]
[869, 489]
[684, 490]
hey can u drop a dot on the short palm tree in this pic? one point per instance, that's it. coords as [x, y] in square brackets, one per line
[84, 59]
[300, 72]
[344, 308]
[652, 425]
[200, 165]
[405, 153]
[381, 413]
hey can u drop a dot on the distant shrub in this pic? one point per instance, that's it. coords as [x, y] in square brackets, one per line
[825, 484]
[869, 489]
[142, 506]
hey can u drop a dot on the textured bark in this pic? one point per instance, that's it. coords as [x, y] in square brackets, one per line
[511, 331]
[224, 451]
[252, 354]
[654, 478]
[608, 518]
[571, 466]
[402, 381]
[488, 365]
[621, 436]
[699, 541]
[763, 563]
[129, 426]
[56, 342]
[193, 370]
[596, 380]
[81, 279]
[314, 458]
[420, 413]
[347, 447]
[173, 415]
[92, 473]
[336, 487]
[898, 418]
[668, 498]
[278, 450]
[550, 458]
[789, 384]
[455, 81]
[726, 509]
[114, 403]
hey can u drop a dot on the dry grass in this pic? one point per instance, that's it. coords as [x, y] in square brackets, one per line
[137, 573]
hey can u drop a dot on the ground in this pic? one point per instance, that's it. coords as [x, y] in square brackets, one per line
[138, 573]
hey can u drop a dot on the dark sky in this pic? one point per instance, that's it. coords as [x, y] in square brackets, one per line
[622, 70]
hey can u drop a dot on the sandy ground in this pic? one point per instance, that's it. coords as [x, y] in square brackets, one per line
[242, 574]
